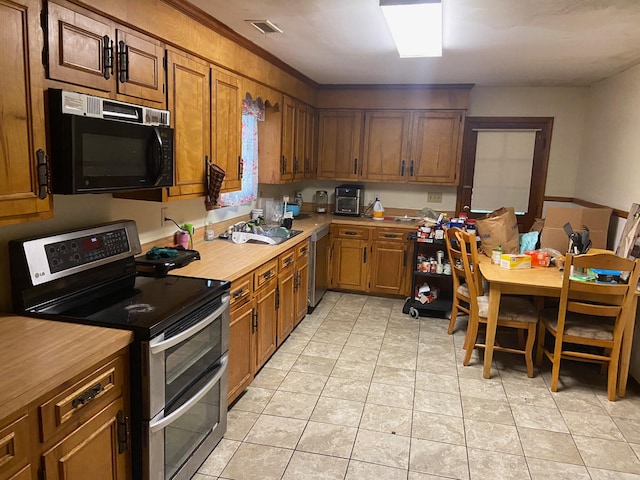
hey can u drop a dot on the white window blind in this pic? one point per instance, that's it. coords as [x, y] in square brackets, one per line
[502, 174]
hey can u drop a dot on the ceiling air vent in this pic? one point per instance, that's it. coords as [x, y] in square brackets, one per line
[265, 26]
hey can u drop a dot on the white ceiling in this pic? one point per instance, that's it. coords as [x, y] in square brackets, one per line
[486, 42]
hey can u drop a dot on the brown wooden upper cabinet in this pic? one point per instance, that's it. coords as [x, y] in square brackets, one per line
[189, 100]
[89, 50]
[226, 127]
[22, 114]
[418, 146]
[339, 137]
[286, 143]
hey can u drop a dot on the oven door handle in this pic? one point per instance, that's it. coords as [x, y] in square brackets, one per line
[162, 422]
[157, 346]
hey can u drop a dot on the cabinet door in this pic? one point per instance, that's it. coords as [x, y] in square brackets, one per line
[389, 263]
[349, 264]
[226, 127]
[265, 323]
[300, 131]
[93, 447]
[434, 147]
[142, 74]
[240, 352]
[386, 145]
[22, 112]
[339, 145]
[189, 103]
[310, 144]
[288, 139]
[82, 49]
[286, 301]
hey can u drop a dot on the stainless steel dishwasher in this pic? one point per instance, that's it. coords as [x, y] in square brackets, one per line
[318, 265]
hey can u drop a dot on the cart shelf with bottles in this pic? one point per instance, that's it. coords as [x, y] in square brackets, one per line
[442, 284]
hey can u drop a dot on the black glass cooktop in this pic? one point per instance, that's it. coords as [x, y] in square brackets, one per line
[146, 305]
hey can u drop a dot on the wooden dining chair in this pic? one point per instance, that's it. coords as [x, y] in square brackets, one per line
[590, 314]
[514, 312]
[461, 301]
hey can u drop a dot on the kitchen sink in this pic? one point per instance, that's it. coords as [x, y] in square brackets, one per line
[274, 236]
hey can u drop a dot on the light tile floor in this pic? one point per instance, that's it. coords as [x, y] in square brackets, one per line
[361, 391]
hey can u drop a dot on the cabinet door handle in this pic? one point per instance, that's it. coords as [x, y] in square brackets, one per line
[284, 164]
[107, 57]
[402, 168]
[240, 167]
[238, 293]
[88, 395]
[123, 432]
[355, 166]
[411, 169]
[266, 275]
[254, 320]
[350, 233]
[44, 174]
[390, 235]
[123, 61]
[303, 251]
[364, 255]
[404, 259]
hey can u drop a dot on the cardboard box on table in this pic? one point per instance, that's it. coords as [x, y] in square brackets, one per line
[595, 219]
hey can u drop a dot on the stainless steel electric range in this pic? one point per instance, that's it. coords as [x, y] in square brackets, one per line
[181, 330]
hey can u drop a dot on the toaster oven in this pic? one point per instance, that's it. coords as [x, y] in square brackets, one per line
[349, 200]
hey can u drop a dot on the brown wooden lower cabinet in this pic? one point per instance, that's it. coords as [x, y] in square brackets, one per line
[370, 260]
[286, 294]
[77, 431]
[302, 281]
[241, 346]
[90, 451]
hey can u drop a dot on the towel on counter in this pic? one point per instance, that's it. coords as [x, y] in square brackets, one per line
[214, 175]
[157, 252]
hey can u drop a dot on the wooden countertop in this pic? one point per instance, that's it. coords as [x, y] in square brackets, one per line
[225, 260]
[39, 355]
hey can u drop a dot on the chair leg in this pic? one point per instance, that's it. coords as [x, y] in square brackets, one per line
[612, 375]
[528, 349]
[540, 349]
[470, 340]
[555, 369]
[454, 316]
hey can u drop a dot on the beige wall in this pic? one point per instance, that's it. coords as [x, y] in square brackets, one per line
[610, 155]
[567, 106]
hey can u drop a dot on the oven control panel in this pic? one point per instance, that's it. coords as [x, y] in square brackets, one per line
[47, 258]
[82, 250]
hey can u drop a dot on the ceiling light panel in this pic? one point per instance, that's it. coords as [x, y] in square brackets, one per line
[416, 27]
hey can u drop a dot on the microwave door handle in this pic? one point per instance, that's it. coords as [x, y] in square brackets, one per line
[157, 346]
[157, 159]
[163, 421]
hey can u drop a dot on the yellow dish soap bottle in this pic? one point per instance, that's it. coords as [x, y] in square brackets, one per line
[378, 210]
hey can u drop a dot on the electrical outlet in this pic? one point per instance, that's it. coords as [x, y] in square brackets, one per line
[163, 215]
[434, 197]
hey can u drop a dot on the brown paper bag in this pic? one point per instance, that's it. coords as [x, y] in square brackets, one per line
[499, 229]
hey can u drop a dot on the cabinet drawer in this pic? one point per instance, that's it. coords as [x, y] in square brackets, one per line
[14, 446]
[302, 251]
[348, 231]
[241, 291]
[73, 406]
[390, 234]
[265, 273]
[287, 260]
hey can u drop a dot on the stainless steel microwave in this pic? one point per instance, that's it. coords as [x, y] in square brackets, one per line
[100, 145]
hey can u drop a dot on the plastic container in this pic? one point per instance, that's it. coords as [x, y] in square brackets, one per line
[209, 234]
[257, 212]
[378, 210]
[322, 201]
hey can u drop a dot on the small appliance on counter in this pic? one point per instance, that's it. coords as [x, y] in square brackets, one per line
[349, 200]
[322, 201]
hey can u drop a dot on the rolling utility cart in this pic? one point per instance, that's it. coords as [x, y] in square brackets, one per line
[431, 285]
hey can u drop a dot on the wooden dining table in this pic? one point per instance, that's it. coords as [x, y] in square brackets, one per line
[539, 282]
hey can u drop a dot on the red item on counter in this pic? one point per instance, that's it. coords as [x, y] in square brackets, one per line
[539, 258]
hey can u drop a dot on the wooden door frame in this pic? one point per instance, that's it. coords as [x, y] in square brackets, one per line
[540, 160]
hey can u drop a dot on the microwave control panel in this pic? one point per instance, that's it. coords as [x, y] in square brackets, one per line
[82, 250]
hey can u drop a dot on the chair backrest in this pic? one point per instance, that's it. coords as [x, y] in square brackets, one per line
[595, 298]
[455, 256]
[469, 256]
